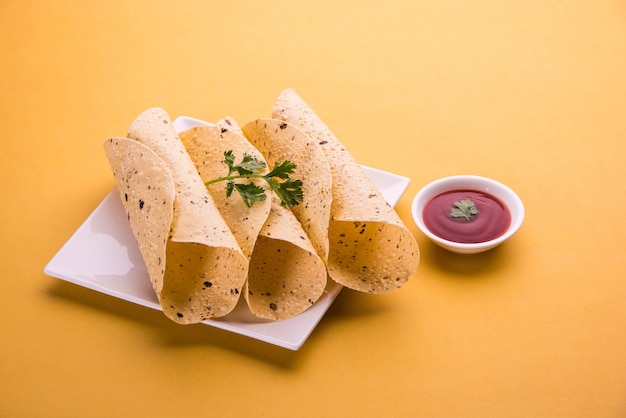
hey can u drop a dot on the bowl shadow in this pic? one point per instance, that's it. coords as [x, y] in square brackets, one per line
[465, 266]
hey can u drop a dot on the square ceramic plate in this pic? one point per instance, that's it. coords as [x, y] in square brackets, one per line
[102, 255]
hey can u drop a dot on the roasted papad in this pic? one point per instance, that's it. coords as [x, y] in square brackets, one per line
[370, 249]
[286, 275]
[280, 141]
[195, 264]
[206, 144]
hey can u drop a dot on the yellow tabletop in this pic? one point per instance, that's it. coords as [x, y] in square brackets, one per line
[530, 93]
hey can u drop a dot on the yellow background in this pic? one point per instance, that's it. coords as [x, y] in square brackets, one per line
[531, 93]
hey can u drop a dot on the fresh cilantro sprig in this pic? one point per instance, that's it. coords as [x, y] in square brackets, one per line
[288, 190]
[466, 208]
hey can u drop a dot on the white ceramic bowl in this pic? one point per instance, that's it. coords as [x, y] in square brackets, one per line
[497, 189]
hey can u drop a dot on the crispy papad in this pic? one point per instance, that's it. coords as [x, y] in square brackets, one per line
[206, 145]
[370, 249]
[280, 141]
[146, 188]
[195, 263]
[286, 275]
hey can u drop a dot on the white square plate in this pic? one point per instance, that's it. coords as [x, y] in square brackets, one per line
[102, 255]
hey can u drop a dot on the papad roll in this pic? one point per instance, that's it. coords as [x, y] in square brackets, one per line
[370, 249]
[206, 145]
[286, 275]
[279, 141]
[196, 266]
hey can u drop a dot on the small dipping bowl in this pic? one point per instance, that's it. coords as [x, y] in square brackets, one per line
[481, 184]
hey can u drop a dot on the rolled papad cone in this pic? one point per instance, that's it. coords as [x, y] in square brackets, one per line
[195, 264]
[285, 276]
[280, 141]
[370, 248]
[206, 145]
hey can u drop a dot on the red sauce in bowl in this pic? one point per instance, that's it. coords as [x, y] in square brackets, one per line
[492, 220]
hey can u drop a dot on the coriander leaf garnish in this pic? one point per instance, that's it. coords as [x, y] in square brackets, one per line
[248, 164]
[282, 169]
[466, 208]
[289, 191]
[249, 192]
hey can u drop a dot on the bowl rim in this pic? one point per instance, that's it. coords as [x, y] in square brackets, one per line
[502, 192]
